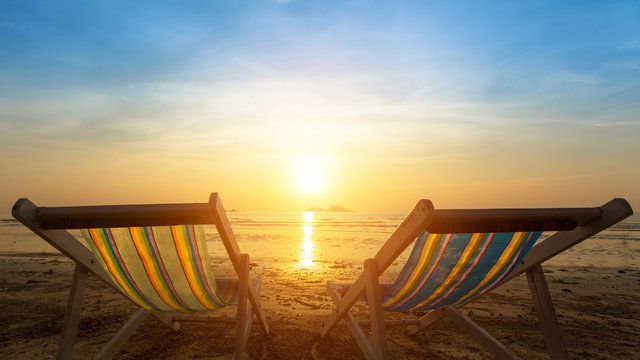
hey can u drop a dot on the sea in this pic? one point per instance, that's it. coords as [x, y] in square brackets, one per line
[308, 241]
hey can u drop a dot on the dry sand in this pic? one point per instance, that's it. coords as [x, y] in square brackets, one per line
[598, 310]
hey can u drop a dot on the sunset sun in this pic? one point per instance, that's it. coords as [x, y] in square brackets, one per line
[309, 178]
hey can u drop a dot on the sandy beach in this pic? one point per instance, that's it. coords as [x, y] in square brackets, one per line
[598, 309]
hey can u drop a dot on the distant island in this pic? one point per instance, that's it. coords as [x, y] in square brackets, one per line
[332, 208]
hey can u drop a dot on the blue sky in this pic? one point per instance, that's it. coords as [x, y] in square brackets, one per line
[241, 87]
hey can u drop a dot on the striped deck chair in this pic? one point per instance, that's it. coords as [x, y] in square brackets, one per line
[459, 255]
[156, 256]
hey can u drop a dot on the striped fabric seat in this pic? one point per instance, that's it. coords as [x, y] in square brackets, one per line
[447, 269]
[163, 268]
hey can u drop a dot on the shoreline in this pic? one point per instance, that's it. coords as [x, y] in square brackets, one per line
[589, 301]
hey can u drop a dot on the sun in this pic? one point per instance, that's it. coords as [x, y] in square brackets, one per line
[309, 178]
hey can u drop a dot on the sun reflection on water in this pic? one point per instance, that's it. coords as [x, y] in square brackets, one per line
[306, 247]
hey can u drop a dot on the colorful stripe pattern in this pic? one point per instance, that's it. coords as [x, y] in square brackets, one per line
[446, 269]
[161, 268]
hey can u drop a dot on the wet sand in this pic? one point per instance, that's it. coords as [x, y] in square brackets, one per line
[598, 310]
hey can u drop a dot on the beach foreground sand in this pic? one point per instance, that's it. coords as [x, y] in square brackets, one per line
[598, 310]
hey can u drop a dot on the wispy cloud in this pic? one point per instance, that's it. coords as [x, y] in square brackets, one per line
[616, 123]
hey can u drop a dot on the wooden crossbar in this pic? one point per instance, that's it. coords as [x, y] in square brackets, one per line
[84, 217]
[509, 220]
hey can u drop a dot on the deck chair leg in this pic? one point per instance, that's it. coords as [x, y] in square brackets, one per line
[244, 309]
[428, 319]
[547, 314]
[490, 343]
[120, 338]
[352, 324]
[228, 239]
[375, 310]
[255, 283]
[255, 305]
[72, 314]
[167, 319]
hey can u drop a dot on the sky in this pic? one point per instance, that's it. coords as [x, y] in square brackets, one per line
[284, 105]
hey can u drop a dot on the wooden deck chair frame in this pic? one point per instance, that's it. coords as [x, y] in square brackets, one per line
[573, 225]
[51, 224]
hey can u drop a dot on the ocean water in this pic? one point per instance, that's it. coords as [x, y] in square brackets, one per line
[317, 240]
